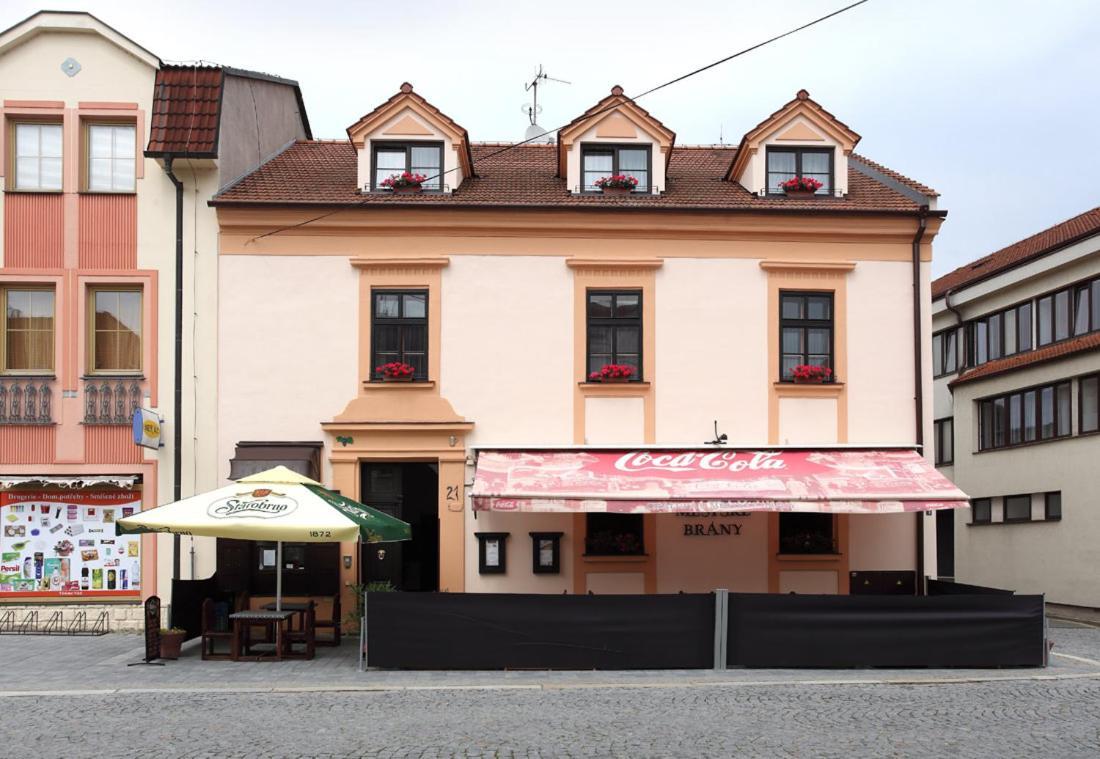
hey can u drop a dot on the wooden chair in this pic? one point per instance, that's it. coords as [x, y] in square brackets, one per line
[211, 635]
[306, 636]
[331, 624]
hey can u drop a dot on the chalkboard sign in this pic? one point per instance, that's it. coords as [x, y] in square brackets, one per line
[152, 628]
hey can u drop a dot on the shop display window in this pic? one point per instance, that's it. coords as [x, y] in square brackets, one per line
[614, 535]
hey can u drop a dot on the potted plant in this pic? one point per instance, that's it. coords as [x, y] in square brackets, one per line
[170, 641]
[613, 373]
[809, 374]
[801, 187]
[396, 371]
[617, 184]
[405, 183]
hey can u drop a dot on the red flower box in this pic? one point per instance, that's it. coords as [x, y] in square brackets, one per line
[808, 374]
[396, 371]
[617, 184]
[801, 187]
[405, 183]
[613, 373]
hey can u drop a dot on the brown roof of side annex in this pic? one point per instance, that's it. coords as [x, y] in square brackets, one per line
[1049, 240]
[324, 173]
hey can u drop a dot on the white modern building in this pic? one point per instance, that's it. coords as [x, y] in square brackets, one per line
[1016, 358]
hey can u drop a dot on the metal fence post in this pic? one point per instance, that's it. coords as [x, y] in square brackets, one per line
[721, 627]
[363, 636]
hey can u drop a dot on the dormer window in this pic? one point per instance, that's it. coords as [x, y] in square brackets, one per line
[812, 163]
[389, 158]
[601, 161]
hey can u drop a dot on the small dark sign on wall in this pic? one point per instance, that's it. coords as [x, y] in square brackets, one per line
[716, 524]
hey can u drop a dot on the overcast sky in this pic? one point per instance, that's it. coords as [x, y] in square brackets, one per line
[995, 103]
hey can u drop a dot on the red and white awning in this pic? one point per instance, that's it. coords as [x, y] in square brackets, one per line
[838, 481]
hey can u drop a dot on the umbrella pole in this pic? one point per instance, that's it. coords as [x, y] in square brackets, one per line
[278, 575]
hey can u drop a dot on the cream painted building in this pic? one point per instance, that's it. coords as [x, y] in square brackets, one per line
[88, 284]
[508, 277]
[1017, 367]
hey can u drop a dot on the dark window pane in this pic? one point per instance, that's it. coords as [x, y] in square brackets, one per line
[627, 340]
[1046, 412]
[1010, 331]
[1081, 314]
[781, 162]
[1061, 315]
[986, 425]
[789, 363]
[951, 351]
[1054, 505]
[937, 355]
[614, 534]
[806, 533]
[818, 308]
[1023, 327]
[1095, 298]
[1030, 429]
[416, 306]
[817, 340]
[948, 440]
[994, 336]
[628, 306]
[599, 340]
[415, 338]
[387, 305]
[792, 307]
[1062, 398]
[792, 340]
[1046, 320]
[999, 418]
[1090, 404]
[599, 305]
[387, 338]
[1017, 508]
[1015, 420]
[981, 510]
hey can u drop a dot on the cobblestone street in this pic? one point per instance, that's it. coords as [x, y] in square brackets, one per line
[78, 705]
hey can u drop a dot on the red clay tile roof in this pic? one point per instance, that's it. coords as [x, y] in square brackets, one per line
[1060, 235]
[324, 173]
[186, 111]
[1064, 349]
[187, 104]
[923, 189]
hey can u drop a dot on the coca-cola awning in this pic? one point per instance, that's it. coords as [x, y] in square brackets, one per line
[837, 480]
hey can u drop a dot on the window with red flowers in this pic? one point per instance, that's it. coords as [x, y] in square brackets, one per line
[399, 330]
[615, 330]
[805, 331]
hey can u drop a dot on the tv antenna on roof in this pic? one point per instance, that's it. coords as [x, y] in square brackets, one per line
[533, 109]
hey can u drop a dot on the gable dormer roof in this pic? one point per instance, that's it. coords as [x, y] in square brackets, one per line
[614, 106]
[802, 105]
[406, 98]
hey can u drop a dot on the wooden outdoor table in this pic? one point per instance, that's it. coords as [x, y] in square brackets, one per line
[297, 607]
[242, 620]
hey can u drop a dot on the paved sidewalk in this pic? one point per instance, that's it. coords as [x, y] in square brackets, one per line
[36, 664]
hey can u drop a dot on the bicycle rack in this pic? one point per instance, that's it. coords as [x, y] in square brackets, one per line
[102, 624]
[7, 622]
[53, 624]
[78, 624]
[29, 623]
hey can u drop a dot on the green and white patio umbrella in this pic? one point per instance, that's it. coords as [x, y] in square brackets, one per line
[277, 504]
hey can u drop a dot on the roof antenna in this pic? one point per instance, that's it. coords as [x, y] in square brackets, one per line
[718, 439]
[533, 109]
[721, 137]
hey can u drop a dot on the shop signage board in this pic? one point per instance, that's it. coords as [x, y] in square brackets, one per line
[704, 481]
[146, 428]
[64, 544]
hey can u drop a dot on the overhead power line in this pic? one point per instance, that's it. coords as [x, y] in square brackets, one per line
[613, 106]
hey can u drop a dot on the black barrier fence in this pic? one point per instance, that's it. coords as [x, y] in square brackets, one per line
[699, 631]
[886, 631]
[514, 631]
[945, 588]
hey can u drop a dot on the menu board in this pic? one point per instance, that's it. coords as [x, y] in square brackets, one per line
[64, 544]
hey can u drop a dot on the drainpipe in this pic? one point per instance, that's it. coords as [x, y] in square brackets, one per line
[177, 408]
[918, 379]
